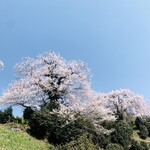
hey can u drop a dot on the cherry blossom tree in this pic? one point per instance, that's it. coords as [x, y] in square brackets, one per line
[124, 102]
[50, 78]
[47, 78]
[97, 111]
[115, 105]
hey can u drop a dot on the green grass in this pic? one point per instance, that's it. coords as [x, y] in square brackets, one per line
[20, 140]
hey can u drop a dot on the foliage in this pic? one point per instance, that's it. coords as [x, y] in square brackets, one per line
[138, 122]
[18, 120]
[100, 139]
[147, 123]
[143, 131]
[144, 145]
[27, 113]
[112, 146]
[135, 145]
[57, 129]
[122, 134]
[6, 115]
[108, 124]
[143, 124]
[82, 143]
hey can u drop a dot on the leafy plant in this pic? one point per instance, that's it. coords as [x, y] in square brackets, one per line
[112, 146]
[122, 134]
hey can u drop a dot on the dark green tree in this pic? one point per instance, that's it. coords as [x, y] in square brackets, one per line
[143, 131]
[57, 129]
[27, 113]
[6, 116]
[122, 134]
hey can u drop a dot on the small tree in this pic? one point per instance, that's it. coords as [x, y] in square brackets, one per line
[146, 122]
[143, 131]
[122, 134]
[6, 115]
[138, 122]
[143, 124]
[27, 113]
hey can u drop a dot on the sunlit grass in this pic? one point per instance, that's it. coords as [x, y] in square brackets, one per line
[19, 140]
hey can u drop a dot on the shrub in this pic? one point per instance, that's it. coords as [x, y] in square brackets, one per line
[55, 129]
[27, 113]
[101, 139]
[114, 147]
[143, 131]
[143, 124]
[82, 143]
[6, 115]
[144, 145]
[138, 122]
[17, 119]
[147, 124]
[122, 134]
[136, 146]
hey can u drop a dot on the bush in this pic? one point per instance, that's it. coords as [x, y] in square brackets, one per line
[6, 115]
[27, 113]
[108, 124]
[144, 145]
[136, 146]
[138, 122]
[55, 129]
[82, 143]
[147, 124]
[101, 139]
[122, 134]
[143, 131]
[114, 147]
[17, 119]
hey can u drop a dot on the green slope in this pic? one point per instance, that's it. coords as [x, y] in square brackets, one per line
[20, 140]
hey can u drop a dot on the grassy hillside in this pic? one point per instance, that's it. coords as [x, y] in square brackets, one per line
[19, 140]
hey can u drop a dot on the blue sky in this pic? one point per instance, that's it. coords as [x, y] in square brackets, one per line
[112, 37]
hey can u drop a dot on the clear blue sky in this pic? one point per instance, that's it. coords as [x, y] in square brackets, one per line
[112, 36]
